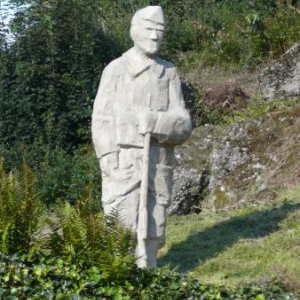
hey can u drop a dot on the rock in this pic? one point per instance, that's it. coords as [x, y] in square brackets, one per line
[231, 162]
[281, 80]
[221, 167]
[188, 191]
[191, 175]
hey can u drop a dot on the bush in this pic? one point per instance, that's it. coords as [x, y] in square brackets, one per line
[45, 277]
[69, 176]
[59, 174]
[20, 210]
[83, 235]
[282, 29]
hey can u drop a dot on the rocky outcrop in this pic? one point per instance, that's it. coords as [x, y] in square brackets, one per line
[189, 189]
[222, 167]
[281, 80]
[191, 173]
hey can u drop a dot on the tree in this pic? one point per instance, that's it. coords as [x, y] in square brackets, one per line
[55, 62]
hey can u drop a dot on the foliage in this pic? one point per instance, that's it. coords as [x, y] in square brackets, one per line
[226, 33]
[49, 73]
[59, 174]
[51, 64]
[52, 69]
[84, 255]
[52, 278]
[19, 210]
[83, 235]
[69, 176]
[77, 233]
[260, 108]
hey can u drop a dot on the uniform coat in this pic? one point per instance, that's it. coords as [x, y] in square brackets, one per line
[126, 86]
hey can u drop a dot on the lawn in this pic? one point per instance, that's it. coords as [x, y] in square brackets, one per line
[255, 243]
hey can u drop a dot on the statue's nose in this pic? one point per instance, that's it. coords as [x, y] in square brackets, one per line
[153, 35]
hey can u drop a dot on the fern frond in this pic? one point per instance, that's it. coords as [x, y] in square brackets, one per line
[70, 232]
[19, 208]
[11, 192]
[5, 235]
[28, 181]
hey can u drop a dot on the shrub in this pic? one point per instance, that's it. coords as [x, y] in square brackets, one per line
[225, 100]
[69, 176]
[20, 210]
[83, 235]
[282, 29]
[45, 277]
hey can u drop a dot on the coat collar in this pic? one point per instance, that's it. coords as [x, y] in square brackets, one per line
[136, 64]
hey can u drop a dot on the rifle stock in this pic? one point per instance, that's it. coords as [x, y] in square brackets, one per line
[143, 212]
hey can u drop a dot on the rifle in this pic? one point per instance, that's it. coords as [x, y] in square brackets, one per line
[143, 212]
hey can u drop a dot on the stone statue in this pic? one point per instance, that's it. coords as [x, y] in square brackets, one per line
[139, 116]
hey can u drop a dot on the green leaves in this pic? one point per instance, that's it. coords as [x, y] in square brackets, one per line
[24, 278]
[19, 210]
[53, 68]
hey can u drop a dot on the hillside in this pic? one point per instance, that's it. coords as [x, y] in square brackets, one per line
[241, 182]
[256, 243]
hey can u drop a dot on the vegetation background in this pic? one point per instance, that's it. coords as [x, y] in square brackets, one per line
[51, 58]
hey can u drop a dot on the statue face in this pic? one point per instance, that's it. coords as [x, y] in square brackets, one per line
[147, 37]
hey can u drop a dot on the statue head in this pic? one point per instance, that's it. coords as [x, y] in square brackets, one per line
[147, 30]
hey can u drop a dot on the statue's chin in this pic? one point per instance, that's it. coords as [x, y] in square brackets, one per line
[148, 52]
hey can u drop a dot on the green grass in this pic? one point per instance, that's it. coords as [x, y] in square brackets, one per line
[260, 108]
[257, 243]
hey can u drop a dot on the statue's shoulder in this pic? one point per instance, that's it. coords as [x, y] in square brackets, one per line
[168, 67]
[166, 64]
[114, 67]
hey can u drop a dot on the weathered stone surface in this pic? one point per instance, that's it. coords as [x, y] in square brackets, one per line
[192, 173]
[189, 186]
[222, 167]
[139, 116]
[281, 80]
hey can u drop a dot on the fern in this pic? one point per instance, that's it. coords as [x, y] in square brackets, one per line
[81, 234]
[78, 233]
[5, 237]
[74, 229]
[19, 210]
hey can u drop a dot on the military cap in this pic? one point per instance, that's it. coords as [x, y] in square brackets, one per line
[150, 13]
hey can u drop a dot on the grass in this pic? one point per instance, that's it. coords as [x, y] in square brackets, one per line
[258, 107]
[256, 243]
[205, 78]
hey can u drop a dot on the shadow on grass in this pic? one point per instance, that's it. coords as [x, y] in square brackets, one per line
[206, 244]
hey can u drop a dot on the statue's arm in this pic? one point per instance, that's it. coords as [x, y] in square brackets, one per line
[174, 126]
[103, 127]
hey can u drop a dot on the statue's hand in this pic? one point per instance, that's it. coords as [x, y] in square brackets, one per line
[146, 121]
[172, 128]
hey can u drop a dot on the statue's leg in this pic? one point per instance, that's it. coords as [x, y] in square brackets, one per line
[128, 210]
[159, 196]
[156, 229]
[121, 186]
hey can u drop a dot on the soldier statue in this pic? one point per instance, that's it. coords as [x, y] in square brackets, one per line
[139, 115]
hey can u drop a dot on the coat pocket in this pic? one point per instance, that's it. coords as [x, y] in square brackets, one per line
[127, 130]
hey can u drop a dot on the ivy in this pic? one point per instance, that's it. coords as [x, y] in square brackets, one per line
[51, 278]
